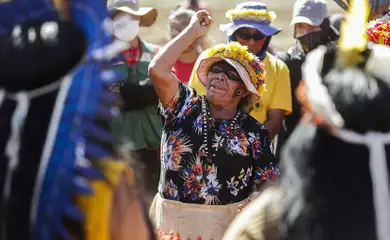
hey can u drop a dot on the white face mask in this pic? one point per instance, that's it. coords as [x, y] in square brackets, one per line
[125, 28]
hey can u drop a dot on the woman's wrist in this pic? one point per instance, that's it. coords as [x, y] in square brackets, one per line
[192, 33]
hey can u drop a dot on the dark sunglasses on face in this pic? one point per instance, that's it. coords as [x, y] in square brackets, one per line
[231, 73]
[247, 36]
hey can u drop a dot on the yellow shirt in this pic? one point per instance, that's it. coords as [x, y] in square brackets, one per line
[278, 94]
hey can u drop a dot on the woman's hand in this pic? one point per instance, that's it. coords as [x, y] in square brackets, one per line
[201, 22]
[164, 81]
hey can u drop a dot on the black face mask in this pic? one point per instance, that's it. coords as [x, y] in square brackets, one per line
[310, 41]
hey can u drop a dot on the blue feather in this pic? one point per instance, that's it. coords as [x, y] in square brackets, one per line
[82, 105]
[91, 173]
[16, 12]
[81, 186]
[74, 213]
[109, 97]
[100, 133]
[63, 232]
[97, 152]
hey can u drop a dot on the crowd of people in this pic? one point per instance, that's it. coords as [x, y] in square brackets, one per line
[107, 136]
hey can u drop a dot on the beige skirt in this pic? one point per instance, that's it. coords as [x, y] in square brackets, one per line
[192, 220]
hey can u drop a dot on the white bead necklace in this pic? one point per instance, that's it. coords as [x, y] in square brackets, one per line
[206, 118]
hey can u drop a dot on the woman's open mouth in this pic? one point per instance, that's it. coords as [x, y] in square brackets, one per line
[216, 86]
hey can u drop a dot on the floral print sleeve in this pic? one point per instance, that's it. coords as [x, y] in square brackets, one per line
[180, 106]
[264, 160]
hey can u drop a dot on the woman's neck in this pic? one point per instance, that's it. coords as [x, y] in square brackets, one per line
[189, 57]
[223, 113]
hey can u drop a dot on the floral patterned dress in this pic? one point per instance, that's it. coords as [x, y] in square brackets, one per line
[237, 163]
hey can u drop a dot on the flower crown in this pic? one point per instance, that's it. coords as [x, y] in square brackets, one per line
[262, 15]
[252, 63]
[379, 32]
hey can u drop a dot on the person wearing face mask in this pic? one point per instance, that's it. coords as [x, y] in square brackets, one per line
[138, 125]
[312, 28]
[250, 26]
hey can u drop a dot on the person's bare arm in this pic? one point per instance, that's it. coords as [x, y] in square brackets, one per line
[127, 219]
[160, 68]
[274, 121]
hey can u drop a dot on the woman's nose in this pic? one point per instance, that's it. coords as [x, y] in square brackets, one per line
[222, 77]
[251, 41]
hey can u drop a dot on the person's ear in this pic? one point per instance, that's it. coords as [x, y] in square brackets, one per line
[244, 92]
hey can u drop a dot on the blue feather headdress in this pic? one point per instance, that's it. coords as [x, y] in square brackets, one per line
[78, 147]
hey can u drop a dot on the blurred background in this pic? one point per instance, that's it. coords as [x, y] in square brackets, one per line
[283, 9]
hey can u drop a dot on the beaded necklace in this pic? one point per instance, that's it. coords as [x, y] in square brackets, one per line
[207, 119]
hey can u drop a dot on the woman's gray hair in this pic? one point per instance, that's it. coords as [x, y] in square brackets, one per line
[180, 15]
[246, 103]
[181, 18]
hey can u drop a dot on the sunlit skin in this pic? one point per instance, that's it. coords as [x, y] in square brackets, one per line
[176, 29]
[127, 217]
[304, 28]
[253, 45]
[221, 92]
[223, 104]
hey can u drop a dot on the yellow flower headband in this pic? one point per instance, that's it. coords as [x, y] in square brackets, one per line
[252, 63]
[262, 15]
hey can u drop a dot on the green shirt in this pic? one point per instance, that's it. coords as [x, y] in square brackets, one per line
[141, 128]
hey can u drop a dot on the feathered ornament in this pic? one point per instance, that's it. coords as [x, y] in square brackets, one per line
[75, 168]
[379, 32]
[353, 38]
[376, 7]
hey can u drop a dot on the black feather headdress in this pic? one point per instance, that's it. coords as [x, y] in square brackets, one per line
[336, 163]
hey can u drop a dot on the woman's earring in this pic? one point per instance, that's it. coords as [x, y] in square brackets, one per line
[238, 92]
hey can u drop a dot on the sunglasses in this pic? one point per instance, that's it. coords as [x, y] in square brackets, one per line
[230, 72]
[247, 36]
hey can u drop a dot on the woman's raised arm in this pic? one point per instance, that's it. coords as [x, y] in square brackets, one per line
[165, 82]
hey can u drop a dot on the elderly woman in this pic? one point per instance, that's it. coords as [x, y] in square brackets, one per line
[214, 155]
[250, 24]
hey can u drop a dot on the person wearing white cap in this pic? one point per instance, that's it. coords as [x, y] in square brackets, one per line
[311, 23]
[312, 28]
[138, 123]
[214, 155]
